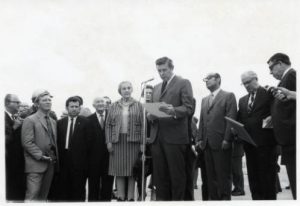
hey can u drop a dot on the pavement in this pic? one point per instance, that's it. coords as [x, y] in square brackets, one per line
[284, 195]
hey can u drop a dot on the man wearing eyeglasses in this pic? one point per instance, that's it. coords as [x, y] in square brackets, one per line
[14, 156]
[262, 158]
[283, 112]
[215, 137]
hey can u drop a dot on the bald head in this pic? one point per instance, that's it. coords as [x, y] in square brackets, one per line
[99, 104]
[250, 81]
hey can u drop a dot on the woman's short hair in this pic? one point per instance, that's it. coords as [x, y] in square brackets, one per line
[120, 85]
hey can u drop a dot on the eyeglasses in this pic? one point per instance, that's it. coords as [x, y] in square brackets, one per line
[208, 78]
[271, 67]
[17, 102]
[247, 82]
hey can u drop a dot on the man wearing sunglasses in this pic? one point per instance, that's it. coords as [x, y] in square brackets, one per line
[215, 137]
[283, 112]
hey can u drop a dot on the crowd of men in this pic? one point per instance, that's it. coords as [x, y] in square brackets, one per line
[53, 159]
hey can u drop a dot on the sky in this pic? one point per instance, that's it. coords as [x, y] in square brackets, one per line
[88, 47]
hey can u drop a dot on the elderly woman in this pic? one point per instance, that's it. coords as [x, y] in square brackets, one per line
[124, 126]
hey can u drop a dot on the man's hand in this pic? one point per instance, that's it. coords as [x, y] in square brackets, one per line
[289, 94]
[109, 147]
[168, 109]
[17, 123]
[280, 96]
[225, 145]
[200, 144]
[48, 159]
[151, 117]
[193, 148]
[142, 148]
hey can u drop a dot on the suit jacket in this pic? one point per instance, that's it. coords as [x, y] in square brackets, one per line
[179, 93]
[284, 113]
[14, 153]
[98, 155]
[36, 141]
[213, 128]
[78, 144]
[253, 120]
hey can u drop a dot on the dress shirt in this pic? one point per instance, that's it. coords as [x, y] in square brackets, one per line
[99, 117]
[68, 130]
[215, 93]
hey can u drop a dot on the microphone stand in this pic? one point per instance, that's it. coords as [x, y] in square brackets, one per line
[144, 85]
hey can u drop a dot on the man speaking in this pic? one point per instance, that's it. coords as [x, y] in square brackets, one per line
[169, 135]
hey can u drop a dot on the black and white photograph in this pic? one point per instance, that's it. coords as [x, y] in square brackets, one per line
[149, 101]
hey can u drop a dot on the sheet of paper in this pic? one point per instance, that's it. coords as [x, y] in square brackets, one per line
[153, 108]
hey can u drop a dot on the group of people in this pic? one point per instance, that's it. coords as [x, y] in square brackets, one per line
[50, 159]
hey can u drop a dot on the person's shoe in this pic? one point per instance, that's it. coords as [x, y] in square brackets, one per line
[237, 193]
[120, 199]
[288, 187]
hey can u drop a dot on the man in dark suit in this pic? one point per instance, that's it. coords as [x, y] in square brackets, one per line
[40, 149]
[215, 137]
[170, 135]
[100, 183]
[261, 160]
[283, 112]
[73, 140]
[14, 154]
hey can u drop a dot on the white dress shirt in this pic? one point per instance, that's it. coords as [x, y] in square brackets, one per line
[68, 130]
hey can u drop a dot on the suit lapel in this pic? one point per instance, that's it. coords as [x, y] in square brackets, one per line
[77, 124]
[42, 120]
[216, 99]
[168, 86]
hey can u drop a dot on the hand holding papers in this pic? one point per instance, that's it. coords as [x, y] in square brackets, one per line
[240, 130]
[158, 109]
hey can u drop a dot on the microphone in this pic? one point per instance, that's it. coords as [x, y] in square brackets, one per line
[149, 80]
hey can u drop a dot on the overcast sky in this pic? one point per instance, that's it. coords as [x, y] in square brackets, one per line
[87, 47]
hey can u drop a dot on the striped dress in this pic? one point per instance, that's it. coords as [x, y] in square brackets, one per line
[127, 121]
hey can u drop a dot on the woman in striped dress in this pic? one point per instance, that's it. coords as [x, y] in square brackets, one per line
[124, 131]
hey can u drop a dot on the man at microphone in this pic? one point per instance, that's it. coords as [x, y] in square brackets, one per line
[169, 135]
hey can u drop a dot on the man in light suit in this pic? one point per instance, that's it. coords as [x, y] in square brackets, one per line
[215, 137]
[72, 140]
[39, 142]
[170, 135]
[14, 154]
[100, 183]
[283, 112]
[262, 158]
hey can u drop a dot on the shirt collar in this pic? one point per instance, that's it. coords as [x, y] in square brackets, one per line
[9, 114]
[98, 114]
[214, 93]
[74, 118]
[285, 72]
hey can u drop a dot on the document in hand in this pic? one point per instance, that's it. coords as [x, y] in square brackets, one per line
[241, 132]
[153, 108]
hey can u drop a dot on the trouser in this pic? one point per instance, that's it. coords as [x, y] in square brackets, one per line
[237, 173]
[169, 172]
[38, 184]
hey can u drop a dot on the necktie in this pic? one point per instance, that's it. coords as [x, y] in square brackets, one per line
[50, 131]
[101, 120]
[210, 100]
[250, 104]
[70, 131]
[163, 86]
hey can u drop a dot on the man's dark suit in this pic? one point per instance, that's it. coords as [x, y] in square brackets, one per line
[73, 161]
[284, 123]
[98, 163]
[261, 160]
[14, 162]
[212, 131]
[170, 139]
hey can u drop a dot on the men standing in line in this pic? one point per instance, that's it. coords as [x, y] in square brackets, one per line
[14, 154]
[170, 135]
[40, 150]
[100, 183]
[283, 112]
[215, 137]
[262, 158]
[73, 140]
